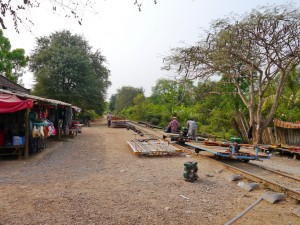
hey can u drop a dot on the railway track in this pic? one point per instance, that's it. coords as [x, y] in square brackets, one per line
[268, 178]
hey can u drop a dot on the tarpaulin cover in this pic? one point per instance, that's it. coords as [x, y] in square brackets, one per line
[11, 103]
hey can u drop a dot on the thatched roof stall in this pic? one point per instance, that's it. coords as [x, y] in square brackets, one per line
[36, 103]
[288, 137]
[11, 86]
[287, 133]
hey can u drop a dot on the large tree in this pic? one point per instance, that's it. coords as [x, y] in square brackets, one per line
[289, 103]
[11, 61]
[173, 92]
[66, 69]
[112, 103]
[251, 50]
[125, 97]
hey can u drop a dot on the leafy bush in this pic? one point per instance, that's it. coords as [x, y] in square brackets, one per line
[92, 113]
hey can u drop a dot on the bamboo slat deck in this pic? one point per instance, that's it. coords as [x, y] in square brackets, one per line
[152, 147]
[170, 134]
[252, 153]
[243, 153]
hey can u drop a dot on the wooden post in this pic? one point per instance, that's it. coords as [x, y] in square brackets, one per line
[26, 152]
[57, 122]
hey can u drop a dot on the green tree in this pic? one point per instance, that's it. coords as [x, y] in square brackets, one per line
[11, 61]
[112, 103]
[289, 103]
[139, 101]
[125, 97]
[173, 93]
[66, 69]
[254, 49]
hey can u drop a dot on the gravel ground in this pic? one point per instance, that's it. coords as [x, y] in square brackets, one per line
[285, 164]
[95, 178]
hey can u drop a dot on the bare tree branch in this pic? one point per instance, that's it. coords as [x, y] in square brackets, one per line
[251, 51]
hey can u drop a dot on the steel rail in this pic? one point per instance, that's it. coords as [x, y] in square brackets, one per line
[266, 183]
[279, 173]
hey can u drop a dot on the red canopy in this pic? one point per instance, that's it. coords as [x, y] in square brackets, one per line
[11, 103]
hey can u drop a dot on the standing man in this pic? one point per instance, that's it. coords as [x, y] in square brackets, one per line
[192, 128]
[174, 125]
[109, 118]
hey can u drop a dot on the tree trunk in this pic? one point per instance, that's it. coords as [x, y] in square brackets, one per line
[259, 135]
[260, 127]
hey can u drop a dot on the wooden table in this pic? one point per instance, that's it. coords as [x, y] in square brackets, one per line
[12, 150]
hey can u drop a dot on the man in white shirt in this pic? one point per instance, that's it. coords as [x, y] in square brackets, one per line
[109, 119]
[192, 128]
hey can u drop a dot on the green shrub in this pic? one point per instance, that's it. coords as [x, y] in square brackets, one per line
[92, 113]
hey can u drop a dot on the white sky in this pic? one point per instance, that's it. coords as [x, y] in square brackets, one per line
[134, 42]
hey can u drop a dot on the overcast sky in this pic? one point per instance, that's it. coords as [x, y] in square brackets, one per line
[134, 42]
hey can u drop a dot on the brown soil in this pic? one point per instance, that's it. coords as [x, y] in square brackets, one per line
[95, 178]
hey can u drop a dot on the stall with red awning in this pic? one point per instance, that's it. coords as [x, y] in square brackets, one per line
[11, 103]
[17, 134]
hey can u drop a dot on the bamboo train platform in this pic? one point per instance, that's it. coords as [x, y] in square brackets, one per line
[152, 146]
[241, 153]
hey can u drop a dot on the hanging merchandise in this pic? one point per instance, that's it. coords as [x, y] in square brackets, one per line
[41, 131]
[67, 130]
[44, 114]
[49, 128]
[69, 115]
[34, 132]
[32, 116]
[46, 131]
[52, 130]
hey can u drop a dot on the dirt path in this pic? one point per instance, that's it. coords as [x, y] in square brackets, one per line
[95, 179]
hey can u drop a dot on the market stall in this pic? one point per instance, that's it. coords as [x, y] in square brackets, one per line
[36, 119]
[13, 112]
